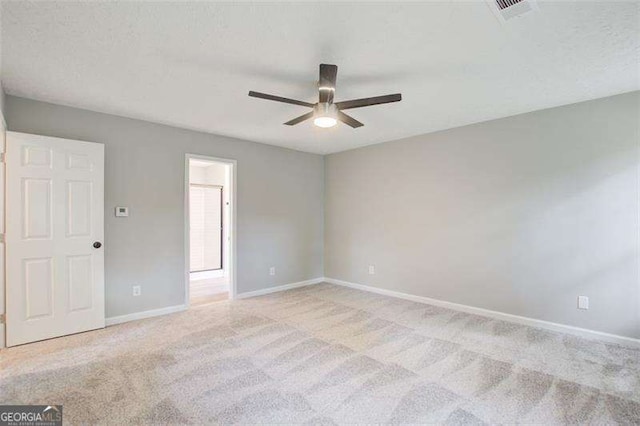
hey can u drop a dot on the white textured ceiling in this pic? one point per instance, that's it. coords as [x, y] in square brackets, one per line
[191, 64]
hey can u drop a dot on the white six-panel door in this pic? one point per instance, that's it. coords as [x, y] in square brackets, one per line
[54, 217]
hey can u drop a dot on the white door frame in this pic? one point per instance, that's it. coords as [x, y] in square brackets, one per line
[231, 225]
[3, 180]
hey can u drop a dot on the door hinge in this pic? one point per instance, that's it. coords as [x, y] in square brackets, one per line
[2, 157]
[2, 316]
[1, 238]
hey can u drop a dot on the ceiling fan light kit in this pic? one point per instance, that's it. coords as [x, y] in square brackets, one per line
[325, 122]
[326, 115]
[325, 112]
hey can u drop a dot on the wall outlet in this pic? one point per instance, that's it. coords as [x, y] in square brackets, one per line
[272, 270]
[372, 269]
[137, 290]
[583, 302]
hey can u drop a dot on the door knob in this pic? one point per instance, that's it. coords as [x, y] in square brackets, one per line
[97, 244]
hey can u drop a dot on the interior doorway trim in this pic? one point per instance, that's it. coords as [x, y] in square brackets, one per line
[232, 223]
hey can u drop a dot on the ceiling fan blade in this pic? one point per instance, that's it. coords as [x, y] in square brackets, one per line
[346, 119]
[300, 119]
[327, 82]
[279, 99]
[376, 100]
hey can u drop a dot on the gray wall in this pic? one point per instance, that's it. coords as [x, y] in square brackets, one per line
[519, 215]
[279, 207]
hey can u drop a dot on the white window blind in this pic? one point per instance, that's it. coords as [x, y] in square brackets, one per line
[206, 227]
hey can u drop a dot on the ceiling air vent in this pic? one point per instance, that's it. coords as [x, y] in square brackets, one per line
[509, 9]
[503, 4]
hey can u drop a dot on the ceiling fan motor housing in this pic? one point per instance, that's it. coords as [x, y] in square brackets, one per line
[325, 109]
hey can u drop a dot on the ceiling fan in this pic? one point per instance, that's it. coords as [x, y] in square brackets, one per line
[325, 112]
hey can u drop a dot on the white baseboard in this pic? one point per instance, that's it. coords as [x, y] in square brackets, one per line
[547, 325]
[279, 288]
[145, 314]
[178, 308]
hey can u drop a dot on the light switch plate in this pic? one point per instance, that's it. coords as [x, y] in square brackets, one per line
[122, 211]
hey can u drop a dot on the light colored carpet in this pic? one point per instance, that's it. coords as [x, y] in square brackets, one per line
[208, 290]
[208, 286]
[325, 354]
[205, 300]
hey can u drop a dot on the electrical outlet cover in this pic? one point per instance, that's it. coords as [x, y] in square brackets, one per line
[583, 302]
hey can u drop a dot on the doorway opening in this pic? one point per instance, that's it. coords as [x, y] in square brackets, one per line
[209, 201]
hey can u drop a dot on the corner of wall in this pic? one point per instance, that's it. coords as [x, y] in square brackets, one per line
[324, 216]
[3, 101]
